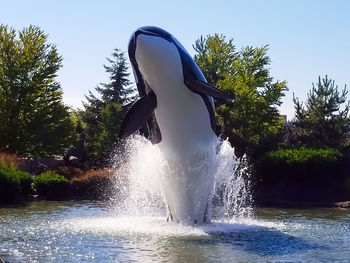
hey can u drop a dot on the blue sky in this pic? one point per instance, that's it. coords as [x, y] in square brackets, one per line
[306, 38]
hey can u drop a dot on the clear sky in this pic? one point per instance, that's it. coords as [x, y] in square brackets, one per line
[306, 38]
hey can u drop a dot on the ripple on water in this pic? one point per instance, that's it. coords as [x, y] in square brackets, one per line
[72, 233]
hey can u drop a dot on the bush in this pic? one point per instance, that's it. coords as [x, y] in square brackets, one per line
[94, 184]
[299, 174]
[51, 185]
[68, 171]
[301, 164]
[13, 184]
[25, 180]
[302, 156]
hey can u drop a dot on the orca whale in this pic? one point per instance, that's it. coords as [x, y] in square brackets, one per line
[176, 103]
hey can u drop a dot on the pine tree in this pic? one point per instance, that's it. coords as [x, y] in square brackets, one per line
[118, 90]
[324, 120]
[103, 116]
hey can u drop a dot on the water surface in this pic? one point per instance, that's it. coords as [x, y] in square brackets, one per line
[95, 232]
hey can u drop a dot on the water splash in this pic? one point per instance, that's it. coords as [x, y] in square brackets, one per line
[140, 166]
[232, 196]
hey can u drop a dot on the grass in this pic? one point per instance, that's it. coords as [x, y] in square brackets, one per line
[9, 161]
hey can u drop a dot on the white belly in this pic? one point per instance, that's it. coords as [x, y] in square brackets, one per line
[188, 145]
[188, 141]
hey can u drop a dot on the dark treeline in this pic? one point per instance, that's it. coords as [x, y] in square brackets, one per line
[305, 159]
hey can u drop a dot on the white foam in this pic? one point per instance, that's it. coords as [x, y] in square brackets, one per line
[130, 226]
[158, 226]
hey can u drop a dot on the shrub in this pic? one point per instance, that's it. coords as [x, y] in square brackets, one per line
[302, 156]
[94, 184]
[300, 164]
[299, 175]
[13, 184]
[25, 180]
[68, 171]
[10, 188]
[51, 185]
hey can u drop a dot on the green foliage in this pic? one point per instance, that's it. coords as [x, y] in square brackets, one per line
[300, 174]
[324, 120]
[49, 178]
[252, 122]
[111, 118]
[10, 188]
[13, 184]
[302, 156]
[51, 185]
[297, 165]
[102, 117]
[118, 90]
[33, 119]
[215, 57]
[25, 179]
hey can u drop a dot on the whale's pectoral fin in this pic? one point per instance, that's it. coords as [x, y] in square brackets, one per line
[199, 86]
[138, 114]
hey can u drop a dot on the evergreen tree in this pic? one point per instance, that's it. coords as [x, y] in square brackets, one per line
[33, 119]
[118, 90]
[324, 120]
[252, 122]
[103, 116]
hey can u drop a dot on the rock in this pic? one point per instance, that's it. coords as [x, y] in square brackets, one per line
[74, 161]
[37, 166]
[74, 156]
[345, 204]
[41, 168]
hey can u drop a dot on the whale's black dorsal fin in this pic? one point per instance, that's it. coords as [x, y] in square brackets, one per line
[203, 87]
[138, 114]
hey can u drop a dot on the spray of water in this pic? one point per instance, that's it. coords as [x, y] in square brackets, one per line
[232, 192]
[140, 166]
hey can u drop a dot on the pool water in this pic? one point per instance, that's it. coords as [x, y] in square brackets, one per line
[97, 232]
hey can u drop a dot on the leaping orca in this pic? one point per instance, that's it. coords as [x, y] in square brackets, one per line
[177, 105]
